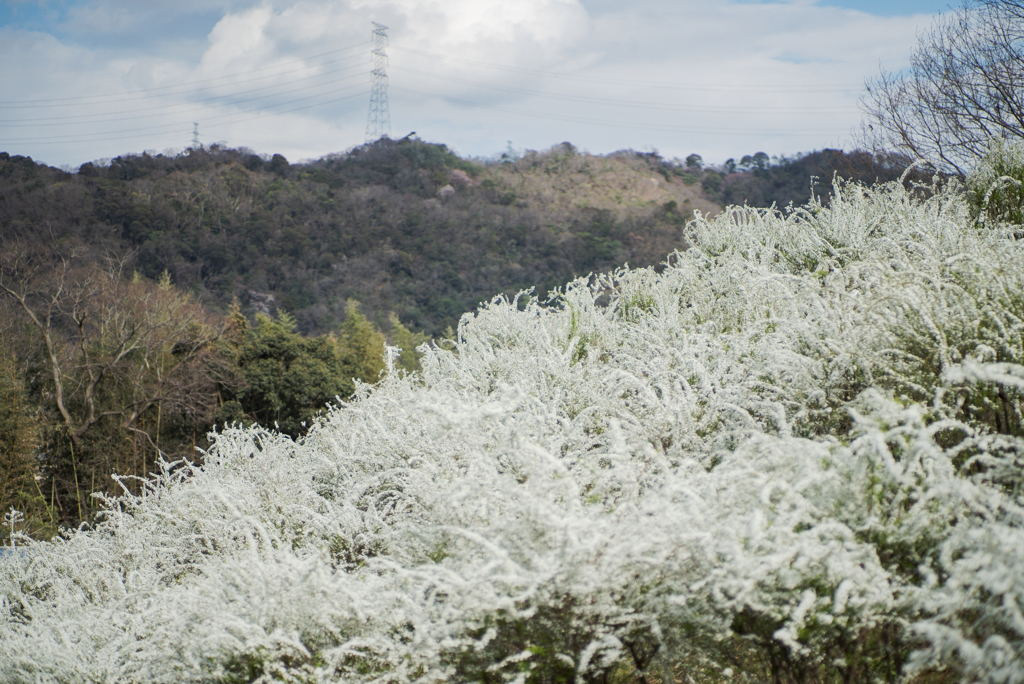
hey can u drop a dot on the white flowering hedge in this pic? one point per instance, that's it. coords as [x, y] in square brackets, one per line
[792, 454]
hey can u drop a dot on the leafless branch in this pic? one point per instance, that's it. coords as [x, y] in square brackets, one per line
[965, 85]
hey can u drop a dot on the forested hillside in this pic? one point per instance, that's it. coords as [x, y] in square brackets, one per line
[404, 227]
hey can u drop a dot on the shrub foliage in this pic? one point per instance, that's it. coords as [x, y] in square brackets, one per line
[793, 454]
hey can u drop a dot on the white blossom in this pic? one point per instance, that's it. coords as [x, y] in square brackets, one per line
[800, 437]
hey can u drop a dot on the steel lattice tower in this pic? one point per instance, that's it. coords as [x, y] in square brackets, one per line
[378, 123]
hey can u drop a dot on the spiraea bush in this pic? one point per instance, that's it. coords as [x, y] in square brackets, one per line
[995, 187]
[792, 454]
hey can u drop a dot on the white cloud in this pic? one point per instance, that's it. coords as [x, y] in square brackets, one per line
[722, 79]
[237, 38]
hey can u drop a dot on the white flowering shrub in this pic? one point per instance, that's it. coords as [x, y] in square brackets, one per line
[995, 187]
[792, 454]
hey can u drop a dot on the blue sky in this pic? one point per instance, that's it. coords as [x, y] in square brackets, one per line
[894, 8]
[91, 79]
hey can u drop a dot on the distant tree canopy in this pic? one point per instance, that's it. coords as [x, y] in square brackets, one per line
[760, 181]
[962, 88]
[371, 224]
[289, 378]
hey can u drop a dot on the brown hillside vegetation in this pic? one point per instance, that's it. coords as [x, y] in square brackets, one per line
[405, 227]
[625, 183]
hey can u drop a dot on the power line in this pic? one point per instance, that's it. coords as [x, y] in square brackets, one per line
[150, 130]
[615, 124]
[630, 103]
[260, 100]
[142, 93]
[224, 100]
[804, 88]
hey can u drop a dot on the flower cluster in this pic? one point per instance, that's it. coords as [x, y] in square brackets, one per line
[794, 452]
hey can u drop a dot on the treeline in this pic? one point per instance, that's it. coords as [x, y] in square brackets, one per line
[405, 227]
[103, 372]
[758, 180]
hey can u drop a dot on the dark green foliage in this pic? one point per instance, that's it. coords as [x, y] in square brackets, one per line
[549, 635]
[370, 224]
[712, 183]
[877, 653]
[278, 165]
[288, 378]
[361, 348]
[789, 179]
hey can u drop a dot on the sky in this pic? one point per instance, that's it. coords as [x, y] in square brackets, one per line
[91, 80]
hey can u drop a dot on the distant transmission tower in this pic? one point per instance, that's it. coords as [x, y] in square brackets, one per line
[195, 135]
[378, 123]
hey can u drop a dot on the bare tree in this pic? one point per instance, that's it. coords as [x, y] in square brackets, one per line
[1014, 8]
[121, 354]
[965, 85]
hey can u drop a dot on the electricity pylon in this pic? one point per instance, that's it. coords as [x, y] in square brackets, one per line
[378, 123]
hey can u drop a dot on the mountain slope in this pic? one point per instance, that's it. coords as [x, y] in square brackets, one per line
[402, 226]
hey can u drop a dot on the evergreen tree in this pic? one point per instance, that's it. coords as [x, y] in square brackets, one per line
[361, 345]
[290, 378]
[406, 340]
